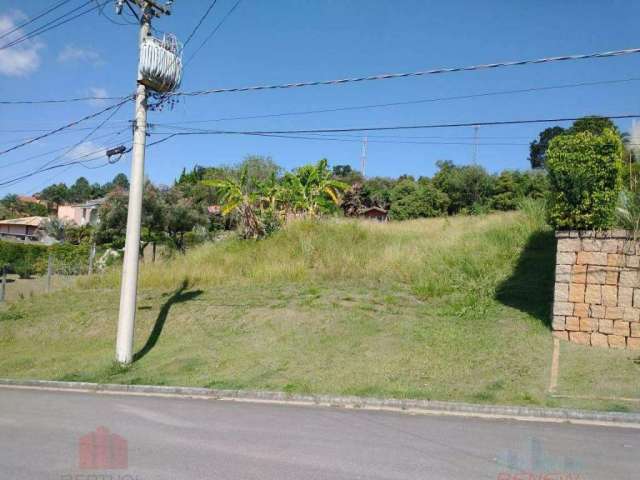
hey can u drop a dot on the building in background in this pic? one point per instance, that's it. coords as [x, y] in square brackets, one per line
[81, 214]
[26, 229]
[374, 213]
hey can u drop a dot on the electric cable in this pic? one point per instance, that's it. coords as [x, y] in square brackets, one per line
[213, 32]
[33, 19]
[64, 127]
[63, 19]
[436, 71]
[407, 102]
[202, 18]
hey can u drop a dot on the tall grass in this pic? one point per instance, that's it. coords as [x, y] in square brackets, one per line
[459, 257]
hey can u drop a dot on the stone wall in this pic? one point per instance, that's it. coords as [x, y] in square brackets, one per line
[597, 289]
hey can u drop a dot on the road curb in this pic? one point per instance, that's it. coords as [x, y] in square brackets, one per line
[350, 402]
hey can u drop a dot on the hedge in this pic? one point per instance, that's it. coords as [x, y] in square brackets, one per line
[28, 259]
[585, 180]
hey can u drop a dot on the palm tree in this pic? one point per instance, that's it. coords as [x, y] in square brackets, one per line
[237, 199]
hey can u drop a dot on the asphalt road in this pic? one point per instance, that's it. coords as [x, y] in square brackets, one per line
[171, 438]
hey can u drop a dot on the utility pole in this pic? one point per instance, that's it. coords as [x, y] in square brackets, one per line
[128, 291]
[363, 157]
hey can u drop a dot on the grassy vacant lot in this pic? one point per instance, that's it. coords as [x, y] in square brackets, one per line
[450, 309]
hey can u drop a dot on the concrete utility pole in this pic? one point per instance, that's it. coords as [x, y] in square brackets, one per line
[128, 291]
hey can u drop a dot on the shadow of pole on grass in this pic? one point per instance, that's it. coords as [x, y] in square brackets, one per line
[178, 296]
[530, 287]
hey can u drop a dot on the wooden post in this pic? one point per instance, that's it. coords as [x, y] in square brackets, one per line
[3, 291]
[49, 272]
[92, 254]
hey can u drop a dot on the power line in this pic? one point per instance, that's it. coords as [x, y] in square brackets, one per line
[22, 161]
[64, 127]
[341, 109]
[408, 102]
[400, 142]
[195, 131]
[213, 32]
[387, 76]
[202, 18]
[62, 100]
[37, 17]
[47, 166]
[54, 167]
[63, 19]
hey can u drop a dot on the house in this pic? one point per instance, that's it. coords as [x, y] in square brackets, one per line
[374, 213]
[82, 213]
[30, 199]
[24, 229]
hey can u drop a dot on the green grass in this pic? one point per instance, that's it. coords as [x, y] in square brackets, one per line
[449, 309]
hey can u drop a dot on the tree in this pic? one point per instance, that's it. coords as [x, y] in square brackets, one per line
[238, 199]
[119, 181]
[585, 179]
[312, 189]
[346, 174]
[55, 195]
[538, 148]
[593, 124]
[113, 219]
[80, 191]
[377, 191]
[468, 187]
[180, 216]
[354, 200]
[258, 169]
[410, 199]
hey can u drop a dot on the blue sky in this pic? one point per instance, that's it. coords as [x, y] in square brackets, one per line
[278, 41]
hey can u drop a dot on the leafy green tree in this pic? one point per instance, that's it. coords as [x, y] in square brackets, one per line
[410, 199]
[377, 191]
[258, 169]
[80, 191]
[120, 181]
[594, 124]
[55, 195]
[112, 227]
[468, 187]
[585, 179]
[507, 191]
[346, 174]
[180, 215]
[538, 148]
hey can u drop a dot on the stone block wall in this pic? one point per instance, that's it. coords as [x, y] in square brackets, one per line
[597, 289]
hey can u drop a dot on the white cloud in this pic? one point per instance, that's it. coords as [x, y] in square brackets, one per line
[23, 58]
[87, 151]
[97, 92]
[71, 53]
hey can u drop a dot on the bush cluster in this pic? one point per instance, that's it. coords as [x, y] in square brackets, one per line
[32, 259]
[585, 179]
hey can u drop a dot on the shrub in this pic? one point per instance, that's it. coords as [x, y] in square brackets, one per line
[27, 260]
[413, 200]
[585, 179]
[464, 185]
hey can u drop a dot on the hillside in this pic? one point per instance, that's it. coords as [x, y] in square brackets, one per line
[450, 308]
